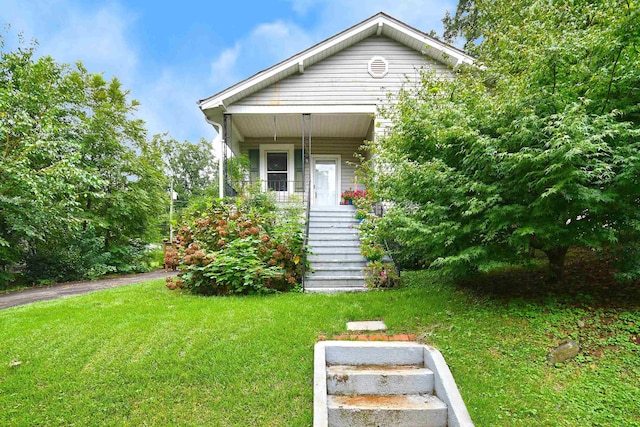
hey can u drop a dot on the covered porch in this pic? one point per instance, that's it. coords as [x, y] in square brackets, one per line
[298, 156]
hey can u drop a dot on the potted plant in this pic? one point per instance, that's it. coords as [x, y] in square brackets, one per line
[361, 214]
[347, 196]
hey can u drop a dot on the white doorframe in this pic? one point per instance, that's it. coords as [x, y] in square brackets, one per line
[277, 148]
[338, 160]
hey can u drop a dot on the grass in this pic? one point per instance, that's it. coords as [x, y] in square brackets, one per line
[143, 355]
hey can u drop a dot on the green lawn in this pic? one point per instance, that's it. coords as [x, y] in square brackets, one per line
[144, 355]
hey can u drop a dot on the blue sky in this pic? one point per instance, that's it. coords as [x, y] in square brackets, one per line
[170, 54]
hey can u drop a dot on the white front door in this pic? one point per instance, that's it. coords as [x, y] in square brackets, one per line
[326, 180]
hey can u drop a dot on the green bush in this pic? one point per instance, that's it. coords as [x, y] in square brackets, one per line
[243, 247]
[380, 274]
[65, 259]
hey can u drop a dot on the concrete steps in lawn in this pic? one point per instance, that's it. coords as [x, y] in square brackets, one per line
[336, 264]
[398, 384]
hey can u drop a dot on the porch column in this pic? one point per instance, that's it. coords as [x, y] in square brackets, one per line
[306, 156]
[227, 139]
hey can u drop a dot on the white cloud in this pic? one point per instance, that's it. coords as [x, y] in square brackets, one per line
[265, 45]
[68, 33]
[103, 39]
[170, 104]
[223, 68]
[99, 38]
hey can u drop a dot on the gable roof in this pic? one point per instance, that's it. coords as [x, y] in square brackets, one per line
[379, 24]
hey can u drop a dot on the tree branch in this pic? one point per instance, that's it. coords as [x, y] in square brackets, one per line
[613, 74]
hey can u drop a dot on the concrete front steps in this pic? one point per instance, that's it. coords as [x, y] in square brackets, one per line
[396, 384]
[334, 245]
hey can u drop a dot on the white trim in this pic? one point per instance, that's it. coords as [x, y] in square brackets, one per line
[435, 44]
[278, 148]
[302, 109]
[338, 159]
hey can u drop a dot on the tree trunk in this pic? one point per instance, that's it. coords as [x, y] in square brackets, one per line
[556, 257]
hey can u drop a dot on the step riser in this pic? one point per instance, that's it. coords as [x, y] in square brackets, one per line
[334, 231]
[334, 257]
[334, 283]
[333, 237]
[333, 250]
[324, 241]
[379, 417]
[327, 273]
[337, 222]
[334, 290]
[336, 264]
[375, 354]
[347, 383]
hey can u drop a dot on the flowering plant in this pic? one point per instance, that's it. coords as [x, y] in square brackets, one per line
[380, 274]
[348, 195]
[372, 251]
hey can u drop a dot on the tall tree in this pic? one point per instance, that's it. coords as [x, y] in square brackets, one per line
[191, 166]
[40, 168]
[76, 170]
[536, 147]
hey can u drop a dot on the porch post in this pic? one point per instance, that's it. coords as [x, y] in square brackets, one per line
[306, 156]
[227, 140]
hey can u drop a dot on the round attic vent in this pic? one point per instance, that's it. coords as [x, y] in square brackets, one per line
[378, 67]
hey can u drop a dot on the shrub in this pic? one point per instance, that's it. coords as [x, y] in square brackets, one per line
[246, 247]
[380, 274]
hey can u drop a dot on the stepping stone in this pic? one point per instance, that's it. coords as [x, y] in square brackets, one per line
[367, 325]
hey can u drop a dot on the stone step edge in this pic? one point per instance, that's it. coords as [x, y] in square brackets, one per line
[367, 337]
[333, 290]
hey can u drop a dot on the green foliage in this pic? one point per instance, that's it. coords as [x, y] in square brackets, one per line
[380, 274]
[66, 260]
[75, 170]
[191, 166]
[540, 148]
[141, 354]
[245, 247]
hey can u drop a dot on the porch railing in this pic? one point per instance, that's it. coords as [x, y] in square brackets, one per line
[283, 191]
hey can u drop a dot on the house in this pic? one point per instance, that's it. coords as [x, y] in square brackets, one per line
[301, 121]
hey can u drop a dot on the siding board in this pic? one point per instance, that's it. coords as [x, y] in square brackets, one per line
[343, 79]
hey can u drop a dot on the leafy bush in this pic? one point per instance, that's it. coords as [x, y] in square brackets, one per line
[246, 247]
[380, 274]
[65, 259]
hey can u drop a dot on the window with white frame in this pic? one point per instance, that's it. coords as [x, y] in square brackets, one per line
[277, 166]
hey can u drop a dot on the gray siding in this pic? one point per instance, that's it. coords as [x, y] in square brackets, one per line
[343, 78]
[346, 148]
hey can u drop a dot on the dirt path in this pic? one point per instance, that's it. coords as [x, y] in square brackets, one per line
[60, 290]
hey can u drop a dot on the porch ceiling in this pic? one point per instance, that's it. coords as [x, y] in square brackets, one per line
[290, 125]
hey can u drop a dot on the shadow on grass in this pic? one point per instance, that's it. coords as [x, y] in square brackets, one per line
[588, 281]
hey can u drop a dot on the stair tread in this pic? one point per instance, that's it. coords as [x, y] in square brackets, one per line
[329, 290]
[378, 369]
[397, 402]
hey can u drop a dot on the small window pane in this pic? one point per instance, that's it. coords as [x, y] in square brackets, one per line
[277, 181]
[276, 161]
